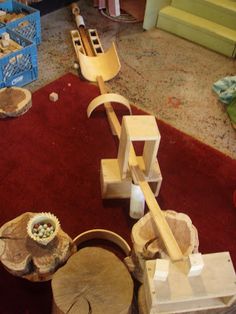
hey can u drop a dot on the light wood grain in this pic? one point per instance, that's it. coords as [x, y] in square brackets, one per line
[24, 257]
[95, 281]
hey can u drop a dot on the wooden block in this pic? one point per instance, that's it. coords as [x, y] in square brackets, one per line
[141, 128]
[123, 151]
[214, 288]
[154, 177]
[5, 36]
[161, 269]
[5, 43]
[149, 154]
[196, 264]
[112, 185]
[2, 13]
[53, 97]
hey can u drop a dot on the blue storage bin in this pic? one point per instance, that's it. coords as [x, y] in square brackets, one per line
[29, 25]
[20, 67]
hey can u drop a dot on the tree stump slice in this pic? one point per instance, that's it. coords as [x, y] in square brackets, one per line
[147, 243]
[14, 101]
[94, 281]
[24, 257]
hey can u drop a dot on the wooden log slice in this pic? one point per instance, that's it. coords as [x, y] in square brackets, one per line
[147, 243]
[14, 101]
[24, 257]
[94, 281]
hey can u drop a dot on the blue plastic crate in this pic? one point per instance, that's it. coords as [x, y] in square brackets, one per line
[19, 67]
[29, 25]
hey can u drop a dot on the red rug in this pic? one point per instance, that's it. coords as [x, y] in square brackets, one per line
[50, 160]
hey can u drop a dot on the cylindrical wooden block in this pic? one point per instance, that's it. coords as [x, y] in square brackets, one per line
[94, 281]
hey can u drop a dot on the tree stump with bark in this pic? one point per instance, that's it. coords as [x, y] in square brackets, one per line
[147, 243]
[94, 281]
[24, 257]
[14, 101]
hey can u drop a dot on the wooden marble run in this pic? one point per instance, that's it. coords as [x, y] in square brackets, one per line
[183, 277]
[79, 39]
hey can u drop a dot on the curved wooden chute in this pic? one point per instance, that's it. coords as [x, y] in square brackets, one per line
[103, 234]
[105, 64]
[105, 98]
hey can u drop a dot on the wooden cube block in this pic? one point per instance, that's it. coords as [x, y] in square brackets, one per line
[196, 264]
[53, 97]
[112, 185]
[5, 36]
[2, 13]
[161, 269]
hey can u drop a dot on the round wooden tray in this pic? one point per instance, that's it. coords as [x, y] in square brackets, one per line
[14, 101]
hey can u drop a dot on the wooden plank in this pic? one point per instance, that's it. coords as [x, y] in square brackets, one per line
[149, 155]
[159, 220]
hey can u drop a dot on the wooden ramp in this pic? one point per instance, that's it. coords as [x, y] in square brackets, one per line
[210, 23]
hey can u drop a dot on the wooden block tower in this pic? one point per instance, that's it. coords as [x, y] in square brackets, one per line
[116, 177]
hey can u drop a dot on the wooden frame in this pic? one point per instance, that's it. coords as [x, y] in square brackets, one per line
[116, 177]
[214, 288]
